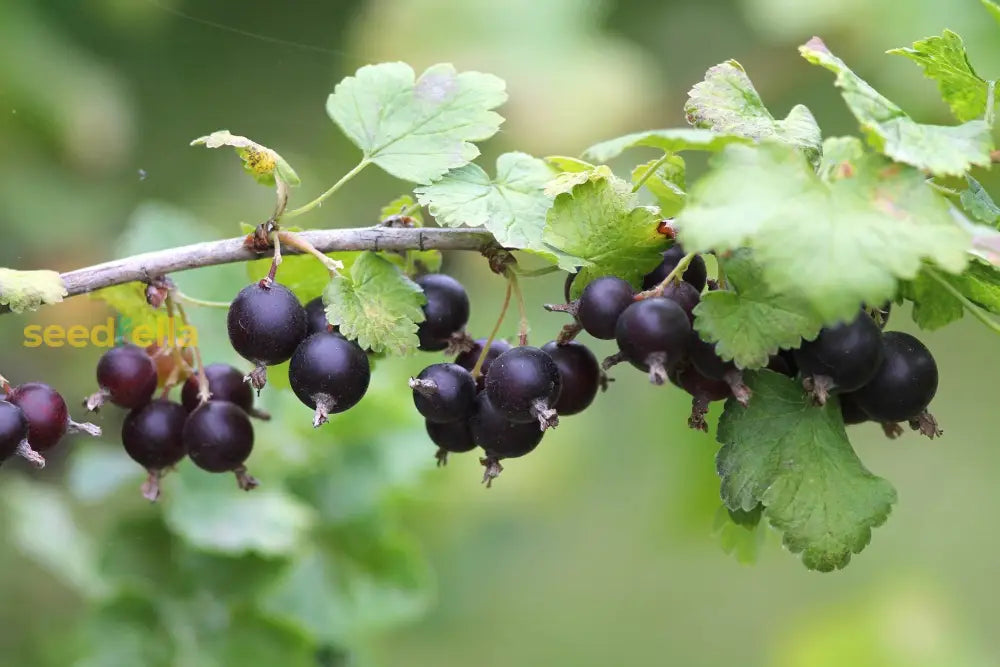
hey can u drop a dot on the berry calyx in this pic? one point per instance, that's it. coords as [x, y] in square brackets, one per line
[903, 384]
[524, 385]
[266, 323]
[126, 376]
[153, 437]
[218, 437]
[444, 393]
[329, 374]
[652, 335]
[468, 359]
[601, 304]
[708, 363]
[225, 383]
[445, 313]
[696, 274]
[842, 357]
[580, 375]
[450, 437]
[47, 415]
[703, 391]
[14, 435]
[499, 437]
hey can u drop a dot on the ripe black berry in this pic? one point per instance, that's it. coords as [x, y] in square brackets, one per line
[316, 317]
[127, 377]
[47, 415]
[218, 437]
[904, 383]
[601, 303]
[445, 313]
[499, 437]
[705, 360]
[14, 435]
[851, 411]
[695, 274]
[468, 359]
[444, 393]
[153, 437]
[266, 324]
[652, 334]
[703, 391]
[686, 296]
[524, 385]
[329, 373]
[454, 437]
[580, 375]
[844, 356]
[225, 383]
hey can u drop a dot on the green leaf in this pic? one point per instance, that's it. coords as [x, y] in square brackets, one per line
[97, 471]
[210, 513]
[934, 306]
[599, 225]
[511, 206]
[795, 459]
[564, 163]
[739, 532]
[29, 290]
[400, 204]
[376, 305]
[727, 103]
[303, 274]
[750, 322]
[666, 182]
[978, 203]
[993, 8]
[259, 161]
[417, 129]
[836, 244]
[944, 60]
[139, 638]
[939, 149]
[129, 300]
[669, 141]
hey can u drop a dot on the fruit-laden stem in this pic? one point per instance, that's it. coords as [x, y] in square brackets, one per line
[491, 469]
[657, 363]
[673, 276]
[84, 427]
[244, 479]
[426, 388]
[568, 333]
[524, 327]
[546, 416]
[25, 451]
[151, 487]
[927, 425]
[203, 392]
[293, 240]
[477, 370]
[612, 360]
[741, 392]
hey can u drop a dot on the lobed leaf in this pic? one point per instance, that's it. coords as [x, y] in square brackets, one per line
[934, 306]
[669, 141]
[666, 182]
[978, 203]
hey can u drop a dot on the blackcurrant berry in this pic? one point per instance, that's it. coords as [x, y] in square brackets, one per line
[218, 437]
[708, 363]
[783, 362]
[444, 393]
[450, 437]
[468, 359]
[851, 411]
[47, 415]
[499, 437]
[127, 377]
[266, 323]
[153, 437]
[14, 435]
[601, 303]
[579, 373]
[703, 391]
[686, 296]
[652, 334]
[225, 383]
[329, 373]
[696, 274]
[524, 385]
[445, 313]
[844, 356]
[316, 317]
[904, 383]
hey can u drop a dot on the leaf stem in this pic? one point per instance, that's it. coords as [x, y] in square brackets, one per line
[943, 189]
[293, 240]
[672, 276]
[294, 213]
[649, 172]
[477, 369]
[203, 393]
[181, 296]
[522, 331]
[973, 309]
[535, 273]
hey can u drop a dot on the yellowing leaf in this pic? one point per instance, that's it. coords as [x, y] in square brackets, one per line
[29, 290]
[260, 161]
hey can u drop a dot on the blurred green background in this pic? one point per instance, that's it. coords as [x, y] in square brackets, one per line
[597, 549]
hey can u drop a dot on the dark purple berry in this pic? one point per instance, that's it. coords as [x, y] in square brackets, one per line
[696, 274]
[467, 360]
[652, 335]
[329, 373]
[686, 296]
[450, 437]
[904, 383]
[153, 437]
[445, 313]
[846, 355]
[500, 437]
[603, 300]
[266, 324]
[703, 391]
[46, 412]
[783, 362]
[127, 377]
[316, 317]
[851, 411]
[218, 437]
[14, 435]
[708, 363]
[524, 385]
[444, 393]
[225, 383]
[580, 375]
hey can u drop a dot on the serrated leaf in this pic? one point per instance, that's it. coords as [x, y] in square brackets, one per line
[565, 163]
[934, 306]
[259, 161]
[417, 129]
[879, 219]
[666, 182]
[210, 513]
[30, 290]
[671, 140]
[944, 60]
[795, 459]
[599, 226]
[978, 203]
[376, 305]
[511, 206]
[939, 149]
[727, 103]
[750, 322]
[839, 156]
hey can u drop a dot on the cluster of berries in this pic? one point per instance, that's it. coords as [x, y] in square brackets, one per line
[34, 417]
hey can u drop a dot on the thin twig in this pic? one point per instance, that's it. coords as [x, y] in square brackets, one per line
[477, 369]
